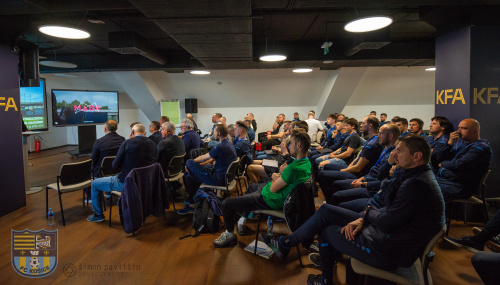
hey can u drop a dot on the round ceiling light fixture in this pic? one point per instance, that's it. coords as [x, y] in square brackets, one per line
[302, 70]
[272, 57]
[60, 64]
[63, 32]
[430, 69]
[200, 72]
[368, 24]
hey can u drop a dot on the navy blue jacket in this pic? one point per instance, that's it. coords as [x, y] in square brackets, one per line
[243, 147]
[464, 164]
[168, 148]
[412, 215]
[156, 137]
[108, 145]
[192, 141]
[138, 151]
[251, 135]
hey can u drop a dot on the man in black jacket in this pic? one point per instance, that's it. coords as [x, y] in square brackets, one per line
[108, 145]
[154, 129]
[385, 238]
[170, 146]
[138, 151]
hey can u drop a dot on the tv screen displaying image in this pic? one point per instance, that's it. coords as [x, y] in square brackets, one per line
[75, 107]
[34, 107]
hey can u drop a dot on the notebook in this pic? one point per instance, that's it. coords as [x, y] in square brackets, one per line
[325, 150]
[262, 249]
[270, 163]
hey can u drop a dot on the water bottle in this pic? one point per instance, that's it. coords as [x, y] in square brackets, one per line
[269, 226]
[50, 215]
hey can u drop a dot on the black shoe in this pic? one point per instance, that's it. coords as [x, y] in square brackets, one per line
[275, 244]
[314, 246]
[493, 243]
[467, 243]
[316, 280]
[315, 259]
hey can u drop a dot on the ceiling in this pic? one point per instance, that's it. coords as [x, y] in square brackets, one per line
[177, 35]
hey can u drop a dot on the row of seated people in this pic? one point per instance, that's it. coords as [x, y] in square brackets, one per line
[218, 119]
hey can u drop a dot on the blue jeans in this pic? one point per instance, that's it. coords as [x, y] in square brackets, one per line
[104, 184]
[199, 174]
[327, 222]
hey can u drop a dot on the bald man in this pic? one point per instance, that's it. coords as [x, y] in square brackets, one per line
[463, 161]
[108, 145]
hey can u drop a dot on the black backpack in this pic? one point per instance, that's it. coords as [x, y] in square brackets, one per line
[204, 218]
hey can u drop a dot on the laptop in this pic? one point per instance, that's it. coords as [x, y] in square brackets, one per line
[270, 163]
[269, 152]
[325, 150]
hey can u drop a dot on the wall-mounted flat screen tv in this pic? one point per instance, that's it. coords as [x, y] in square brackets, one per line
[34, 107]
[77, 107]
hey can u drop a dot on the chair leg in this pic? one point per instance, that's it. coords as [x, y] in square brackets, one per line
[465, 213]
[46, 202]
[62, 212]
[241, 188]
[173, 201]
[110, 208]
[257, 235]
[448, 222]
[83, 199]
[300, 257]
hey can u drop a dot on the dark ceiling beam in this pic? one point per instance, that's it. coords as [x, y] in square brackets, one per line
[54, 6]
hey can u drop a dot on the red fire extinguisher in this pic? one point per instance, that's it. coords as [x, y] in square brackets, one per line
[38, 143]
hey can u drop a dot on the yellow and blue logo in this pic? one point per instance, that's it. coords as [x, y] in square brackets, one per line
[34, 253]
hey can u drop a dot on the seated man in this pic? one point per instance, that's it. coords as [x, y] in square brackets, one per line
[402, 124]
[200, 170]
[273, 195]
[251, 132]
[314, 126]
[345, 154]
[440, 129]
[170, 146]
[386, 238]
[296, 117]
[138, 151]
[241, 143]
[463, 161]
[417, 126]
[286, 128]
[154, 129]
[333, 141]
[276, 134]
[164, 119]
[216, 119]
[195, 126]
[254, 123]
[108, 145]
[331, 124]
[383, 119]
[190, 138]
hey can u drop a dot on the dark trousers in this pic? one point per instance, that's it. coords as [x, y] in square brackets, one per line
[349, 195]
[326, 179]
[357, 205]
[327, 222]
[450, 190]
[486, 265]
[199, 174]
[268, 144]
[243, 204]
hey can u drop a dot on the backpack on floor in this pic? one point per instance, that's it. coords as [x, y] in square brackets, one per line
[207, 212]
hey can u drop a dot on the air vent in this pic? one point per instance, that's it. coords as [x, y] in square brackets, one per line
[132, 43]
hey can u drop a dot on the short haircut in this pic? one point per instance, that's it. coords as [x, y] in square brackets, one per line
[383, 114]
[230, 128]
[133, 124]
[416, 143]
[242, 126]
[395, 119]
[296, 113]
[111, 125]
[156, 125]
[333, 116]
[218, 115]
[188, 123]
[312, 111]
[374, 112]
[222, 129]
[419, 122]
[247, 121]
[282, 115]
[373, 121]
[445, 123]
[139, 128]
[165, 119]
[169, 126]
[287, 122]
[392, 129]
[303, 125]
[403, 121]
[353, 122]
[301, 137]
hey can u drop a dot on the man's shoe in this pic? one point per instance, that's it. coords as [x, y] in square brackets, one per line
[275, 244]
[466, 243]
[88, 201]
[225, 240]
[493, 244]
[187, 202]
[95, 219]
[314, 246]
[241, 229]
[187, 210]
[316, 280]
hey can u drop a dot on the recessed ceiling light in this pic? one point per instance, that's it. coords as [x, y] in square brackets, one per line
[273, 57]
[430, 69]
[64, 32]
[64, 75]
[60, 64]
[200, 72]
[302, 70]
[368, 24]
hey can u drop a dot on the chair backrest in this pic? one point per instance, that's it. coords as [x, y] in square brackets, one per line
[107, 167]
[194, 153]
[242, 166]
[175, 166]
[299, 206]
[425, 257]
[231, 171]
[482, 184]
[74, 173]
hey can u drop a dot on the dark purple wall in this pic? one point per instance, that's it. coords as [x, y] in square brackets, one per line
[12, 191]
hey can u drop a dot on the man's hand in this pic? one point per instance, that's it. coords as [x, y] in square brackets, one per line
[269, 137]
[453, 138]
[275, 176]
[319, 147]
[358, 182]
[392, 158]
[352, 229]
[282, 167]
[331, 155]
[187, 170]
[334, 133]
[391, 171]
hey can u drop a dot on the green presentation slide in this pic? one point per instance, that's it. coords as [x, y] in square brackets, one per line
[171, 109]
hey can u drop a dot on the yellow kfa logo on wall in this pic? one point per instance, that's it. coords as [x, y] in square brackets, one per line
[9, 104]
[478, 95]
[442, 96]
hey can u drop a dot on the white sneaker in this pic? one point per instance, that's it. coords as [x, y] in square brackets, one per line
[225, 240]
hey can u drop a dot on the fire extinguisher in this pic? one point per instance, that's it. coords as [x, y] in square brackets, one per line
[38, 143]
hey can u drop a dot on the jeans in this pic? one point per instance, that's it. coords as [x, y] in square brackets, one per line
[199, 174]
[104, 184]
[486, 265]
[327, 179]
[349, 195]
[328, 222]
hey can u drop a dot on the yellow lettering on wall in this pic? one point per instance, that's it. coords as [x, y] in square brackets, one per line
[12, 104]
[458, 96]
[447, 95]
[479, 96]
[491, 94]
[439, 97]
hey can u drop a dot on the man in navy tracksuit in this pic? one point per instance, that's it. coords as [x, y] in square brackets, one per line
[463, 161]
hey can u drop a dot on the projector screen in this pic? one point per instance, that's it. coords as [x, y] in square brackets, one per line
[74, 107]
[34, 107]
